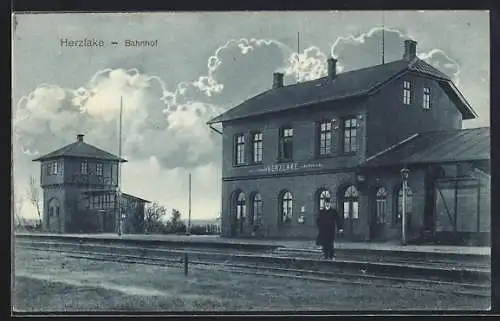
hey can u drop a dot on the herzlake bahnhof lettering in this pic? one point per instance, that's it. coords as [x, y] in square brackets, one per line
[99, 43]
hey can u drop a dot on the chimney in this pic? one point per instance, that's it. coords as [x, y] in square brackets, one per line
[277, 80]
[79, 137]
[332, 68]
[410, 50]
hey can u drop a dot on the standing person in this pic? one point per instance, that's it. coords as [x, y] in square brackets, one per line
[328, 220]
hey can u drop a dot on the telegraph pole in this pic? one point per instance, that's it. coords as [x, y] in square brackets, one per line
[404, 176]
[298, 57]
[119, 194]
[383, 38]
[188, 230]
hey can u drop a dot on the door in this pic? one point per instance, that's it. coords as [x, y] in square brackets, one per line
[109, 218]
[350, 209]
[55, 224]
[431, 175]
[239, 214]
[379, 214]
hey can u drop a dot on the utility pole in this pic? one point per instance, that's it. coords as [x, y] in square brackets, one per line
[119, 194]
[188, 230]
[298, 57]
[383, 38]
[404, 176]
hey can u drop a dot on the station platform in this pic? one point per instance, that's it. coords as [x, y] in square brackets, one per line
[292, 245]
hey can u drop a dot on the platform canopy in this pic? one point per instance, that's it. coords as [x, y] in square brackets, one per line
[453, 146]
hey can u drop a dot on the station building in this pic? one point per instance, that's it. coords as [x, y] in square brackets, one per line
[348, 136]
[79, 183]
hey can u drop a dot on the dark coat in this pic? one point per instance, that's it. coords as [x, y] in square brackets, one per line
[328, 221]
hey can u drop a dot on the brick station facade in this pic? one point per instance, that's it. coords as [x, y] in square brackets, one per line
[289, 147]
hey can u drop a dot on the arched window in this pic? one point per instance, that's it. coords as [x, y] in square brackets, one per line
[323, 195]
[381, 198]
[257, 210]
[409, 201]
[351, 203]
[286, 207]
[240, 206]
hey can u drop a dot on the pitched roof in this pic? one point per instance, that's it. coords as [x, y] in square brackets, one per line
[80, 149]
[437, 147]
[136, 198]
[93, 192]
[345, 85]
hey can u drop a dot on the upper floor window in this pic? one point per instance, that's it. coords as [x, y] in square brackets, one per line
[114, 173]
[286, 144]
[98, 169]
[240, 149]
[97, 201]
[257, 147]
[84, 167]
[325, 138]
[53, 168]
[427, 98]
[350, 135]
[406, 92]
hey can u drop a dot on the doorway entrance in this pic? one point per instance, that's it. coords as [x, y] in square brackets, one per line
[379, 217]
[238, 214]
[350, 206]
[54, 219]
[431, 175]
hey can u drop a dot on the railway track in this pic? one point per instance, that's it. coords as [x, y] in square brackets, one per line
[482, 263]
[231, 263]
[436, 270]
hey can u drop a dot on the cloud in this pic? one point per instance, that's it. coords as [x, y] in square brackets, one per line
[365, 49]
[168, 124]
[242, 68]
[308, 65]
[176, 137]
[442, 61]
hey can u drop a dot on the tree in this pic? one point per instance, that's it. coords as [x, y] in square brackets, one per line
[34, 194]
[17, 209]
[153, 215]
[175, 225]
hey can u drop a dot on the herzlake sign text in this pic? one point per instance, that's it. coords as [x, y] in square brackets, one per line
[284, 168]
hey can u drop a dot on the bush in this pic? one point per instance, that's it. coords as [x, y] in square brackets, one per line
[202, 230]
[28, 226]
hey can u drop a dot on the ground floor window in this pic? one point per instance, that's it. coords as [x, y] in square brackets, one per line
[240, 206]
[286, 207]
[257, 210]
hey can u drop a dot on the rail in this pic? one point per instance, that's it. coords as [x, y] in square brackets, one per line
[265, 265]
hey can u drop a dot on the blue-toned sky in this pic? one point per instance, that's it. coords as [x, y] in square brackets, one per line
[204, 63]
